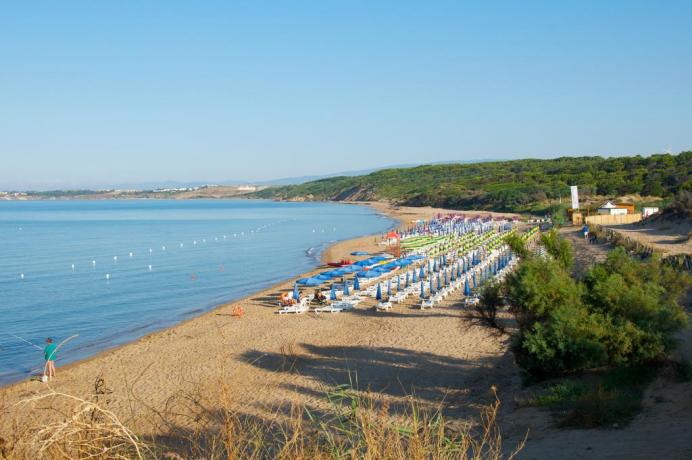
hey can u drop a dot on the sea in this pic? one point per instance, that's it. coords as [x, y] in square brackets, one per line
[102, 273]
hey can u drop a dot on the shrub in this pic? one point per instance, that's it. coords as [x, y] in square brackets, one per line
[537, 287]
[559, 248]
[625, 313]
[485, 311]
[517, 245]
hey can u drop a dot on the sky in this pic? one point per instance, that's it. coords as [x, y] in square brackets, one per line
[116, 92]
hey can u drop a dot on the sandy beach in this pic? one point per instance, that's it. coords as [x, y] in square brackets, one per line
[263, 360]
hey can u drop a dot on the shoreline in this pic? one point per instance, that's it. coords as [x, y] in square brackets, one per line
[325, 255]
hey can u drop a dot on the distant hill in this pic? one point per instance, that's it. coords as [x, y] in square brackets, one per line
[514, 185]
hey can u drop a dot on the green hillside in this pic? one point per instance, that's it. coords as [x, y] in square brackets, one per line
[503, 185]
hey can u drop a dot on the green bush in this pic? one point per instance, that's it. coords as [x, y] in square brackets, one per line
[625, 313]
[517, 245]
[539, 286]
[559, 248]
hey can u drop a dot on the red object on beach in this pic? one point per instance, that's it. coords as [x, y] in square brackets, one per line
[340, 263]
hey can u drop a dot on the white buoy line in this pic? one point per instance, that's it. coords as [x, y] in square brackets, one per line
[149, 267]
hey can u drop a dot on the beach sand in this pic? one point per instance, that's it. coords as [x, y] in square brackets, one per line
[264, 360]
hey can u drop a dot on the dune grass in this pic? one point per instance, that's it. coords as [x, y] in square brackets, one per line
[357, 425]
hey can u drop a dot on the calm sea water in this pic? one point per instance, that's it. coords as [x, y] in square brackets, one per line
[175, 259]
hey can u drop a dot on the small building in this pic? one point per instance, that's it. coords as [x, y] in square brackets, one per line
[649, 211]
[613, 209]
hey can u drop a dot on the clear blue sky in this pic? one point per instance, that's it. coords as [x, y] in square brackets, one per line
[95, 93]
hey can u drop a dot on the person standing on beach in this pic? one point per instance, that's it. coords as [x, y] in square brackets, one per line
[49, 353]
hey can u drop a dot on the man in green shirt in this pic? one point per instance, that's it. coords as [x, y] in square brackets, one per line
[49, 353]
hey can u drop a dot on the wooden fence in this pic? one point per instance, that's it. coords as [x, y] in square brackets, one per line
[607, 219]
[679, 261]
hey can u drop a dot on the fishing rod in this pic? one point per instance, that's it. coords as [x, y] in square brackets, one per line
[25, 340]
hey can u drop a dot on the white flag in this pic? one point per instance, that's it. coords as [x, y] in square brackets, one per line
[575, 197]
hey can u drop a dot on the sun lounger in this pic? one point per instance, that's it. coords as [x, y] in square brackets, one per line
[345, 304]
[427, 303]
[384, 306]
[298, 309]
[328, 309]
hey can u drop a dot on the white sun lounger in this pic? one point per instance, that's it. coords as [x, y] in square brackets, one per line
[300, 308]
[427, 303]
[345, 304]
[384, 306]
[329, 309]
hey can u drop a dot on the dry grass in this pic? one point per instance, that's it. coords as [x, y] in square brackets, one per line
[357, 425]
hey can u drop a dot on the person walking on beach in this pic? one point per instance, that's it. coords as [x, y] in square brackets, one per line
[49, 353]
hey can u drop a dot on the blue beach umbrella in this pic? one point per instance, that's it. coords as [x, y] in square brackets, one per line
[421, 275]
[435, 267]
[378, 295]
[310, 281]
[467, 288]
[356, 284]
[407, 280]
[446, 278]
[432, 287]
[454, 275]
[398, 283]
[415, 276]
[475, 280]
[422, 290]
[296, 292]
[332, 294]
[439, 284]
[389, 288]
[346, 289]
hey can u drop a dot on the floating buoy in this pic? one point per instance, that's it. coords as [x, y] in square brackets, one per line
[115, 258]
[108, 276]
[150, 267]
[163, 248]
[72, 267]
[194, 242]
[132, 254]
[21, 275]
[150, 250]
[93, 262]
[224, 237]
[193, 277]
[181, 245]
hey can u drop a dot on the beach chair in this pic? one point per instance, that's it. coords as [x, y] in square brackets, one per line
[399, 297]
[384, 306]
[333, 308]
[345, 304]
[298, 309]
[472, 300]
[427, 303]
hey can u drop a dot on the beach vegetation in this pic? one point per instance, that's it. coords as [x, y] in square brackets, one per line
[624, 313]
[559, 248]
[356, 425]
[598, 341]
